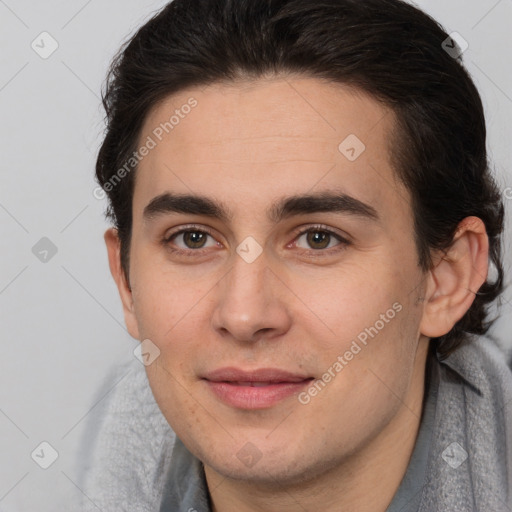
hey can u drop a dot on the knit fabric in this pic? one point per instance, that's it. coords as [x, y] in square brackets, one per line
[128, 444]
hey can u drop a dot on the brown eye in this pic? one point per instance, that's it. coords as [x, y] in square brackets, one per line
[318, 239]
[194, 239]
[187, 239]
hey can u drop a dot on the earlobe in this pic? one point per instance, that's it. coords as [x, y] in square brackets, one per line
[114, 259]
[455, 278]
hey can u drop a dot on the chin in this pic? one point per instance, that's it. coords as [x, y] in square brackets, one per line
[268, 469]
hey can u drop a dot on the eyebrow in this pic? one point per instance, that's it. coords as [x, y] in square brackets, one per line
[335, 202]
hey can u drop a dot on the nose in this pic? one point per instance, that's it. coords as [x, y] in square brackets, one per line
[251, 302]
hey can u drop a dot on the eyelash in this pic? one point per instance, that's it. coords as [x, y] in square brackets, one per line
[316, 228]
[186, 252]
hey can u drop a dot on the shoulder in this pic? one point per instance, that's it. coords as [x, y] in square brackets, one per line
[483, 364]
[127, 444]
[470, 459]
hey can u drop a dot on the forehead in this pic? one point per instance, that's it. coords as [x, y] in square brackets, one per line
[261, 138]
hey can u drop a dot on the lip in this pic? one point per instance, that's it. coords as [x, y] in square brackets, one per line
[254, 389]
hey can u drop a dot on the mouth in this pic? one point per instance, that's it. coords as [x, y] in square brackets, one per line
[256, 389]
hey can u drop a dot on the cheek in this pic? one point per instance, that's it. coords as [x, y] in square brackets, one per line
[164, 299]
[373, 325]
[354, 298]
[368, 374]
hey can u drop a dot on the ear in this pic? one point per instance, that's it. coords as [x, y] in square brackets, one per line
[114, 259]
[455, 278]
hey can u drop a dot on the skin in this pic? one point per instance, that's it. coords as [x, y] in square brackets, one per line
[247, 145]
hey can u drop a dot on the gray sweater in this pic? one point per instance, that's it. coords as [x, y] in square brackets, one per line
[462, 461]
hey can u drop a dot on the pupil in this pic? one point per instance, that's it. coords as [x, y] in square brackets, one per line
[195, 238]
[318, 237]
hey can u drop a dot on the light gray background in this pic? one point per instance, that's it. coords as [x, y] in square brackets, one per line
[62, 327]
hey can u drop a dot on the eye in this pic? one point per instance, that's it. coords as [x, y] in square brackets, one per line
[188, 240]
[319, 238]
[193, 239]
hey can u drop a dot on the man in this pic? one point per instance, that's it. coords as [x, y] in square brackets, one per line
[304, 221]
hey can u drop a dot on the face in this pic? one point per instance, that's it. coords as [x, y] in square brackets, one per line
[283, 299]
